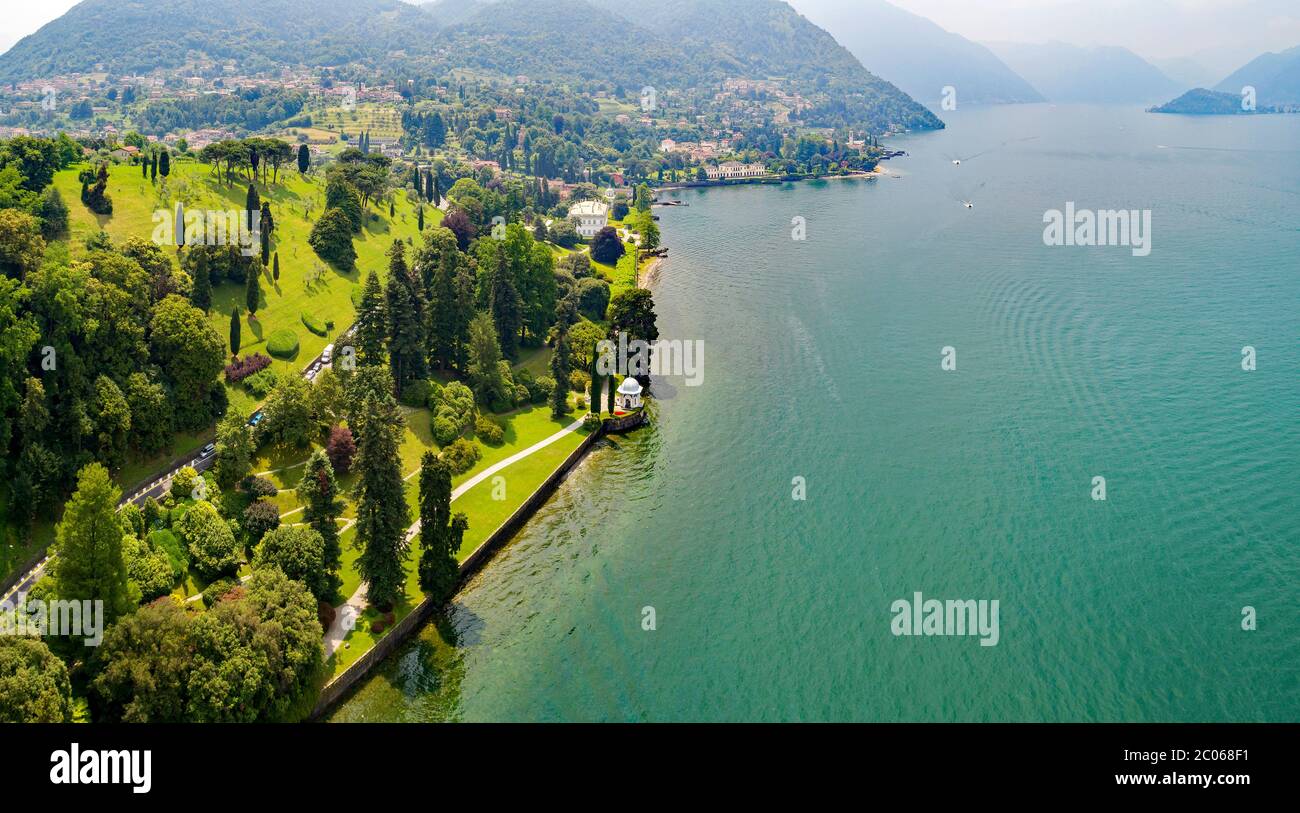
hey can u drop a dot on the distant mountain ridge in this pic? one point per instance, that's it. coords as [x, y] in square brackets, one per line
[1069, 73]
[670, 43]
[136, 36]
[918, 55]
[1275, 77]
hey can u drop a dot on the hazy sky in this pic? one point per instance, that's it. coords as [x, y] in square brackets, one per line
[1219, 33]
[22, 17]
[1229, 31]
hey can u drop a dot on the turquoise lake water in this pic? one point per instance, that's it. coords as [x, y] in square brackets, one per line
[822, 361]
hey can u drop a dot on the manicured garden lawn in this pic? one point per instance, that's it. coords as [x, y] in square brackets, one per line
[524, 428]
[521, 478]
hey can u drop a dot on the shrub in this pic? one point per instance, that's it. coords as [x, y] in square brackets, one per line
[593, 298]
[564, 234]
[453, 412]
[183, 483]
[216, 591]
[461, 455]
[488, 430]
[261, 517]
[445, 431]
[578, 264]
[325, 614]
[149, 568]
[606, 247]
[258, 487]
[579, 380]
[166, 541]
[340, 449]
[416, 393]
[314, 325]
[212, 546]
[591, 420]
[239, 369]
[522, 394]
[542, 393]
[283, 343]
[261, 384]
[331, 239]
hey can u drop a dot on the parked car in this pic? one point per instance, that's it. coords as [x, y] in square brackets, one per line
[327, 354]
[256, 418]
[207, 450]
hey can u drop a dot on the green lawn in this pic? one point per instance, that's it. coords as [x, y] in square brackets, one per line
[524, 427]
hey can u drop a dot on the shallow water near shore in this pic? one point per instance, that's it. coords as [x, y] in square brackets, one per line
[822, 362]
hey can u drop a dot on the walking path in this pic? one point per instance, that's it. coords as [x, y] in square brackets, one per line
[347, 613]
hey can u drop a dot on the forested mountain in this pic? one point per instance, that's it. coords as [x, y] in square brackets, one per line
[1199, 101]
[137, 36]
[917, 55]
[450, 12]
[675, 44]
[1069, 73]
[1275, 77]
[768, 38]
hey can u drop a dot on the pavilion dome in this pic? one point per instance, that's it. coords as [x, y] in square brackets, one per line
[630, 386]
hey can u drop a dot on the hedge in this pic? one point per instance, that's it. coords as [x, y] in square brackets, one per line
[283, 343]
[314, 325]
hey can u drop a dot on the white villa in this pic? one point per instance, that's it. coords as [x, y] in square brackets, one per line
[734, 169]
[589, 217]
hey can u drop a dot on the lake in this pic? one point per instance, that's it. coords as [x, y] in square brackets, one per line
[824, 378]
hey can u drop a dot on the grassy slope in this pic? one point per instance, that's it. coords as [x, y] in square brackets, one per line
[295, 203]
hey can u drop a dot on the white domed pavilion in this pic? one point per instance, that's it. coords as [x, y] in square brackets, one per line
[629, 395]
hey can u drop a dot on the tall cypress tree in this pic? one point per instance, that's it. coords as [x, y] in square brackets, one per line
[153, 169]
[234, 331]
[319, 492]
[382, 514]
[275, 267]
[596, 381]
[419, 216]
[253, 289]
[304, 158]
[560, 372]
[438, 568]
[164, 163]
[437, 191]
[405, 306]
[372, 323]
[610, 395]
[201, 295]
[252, 207]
